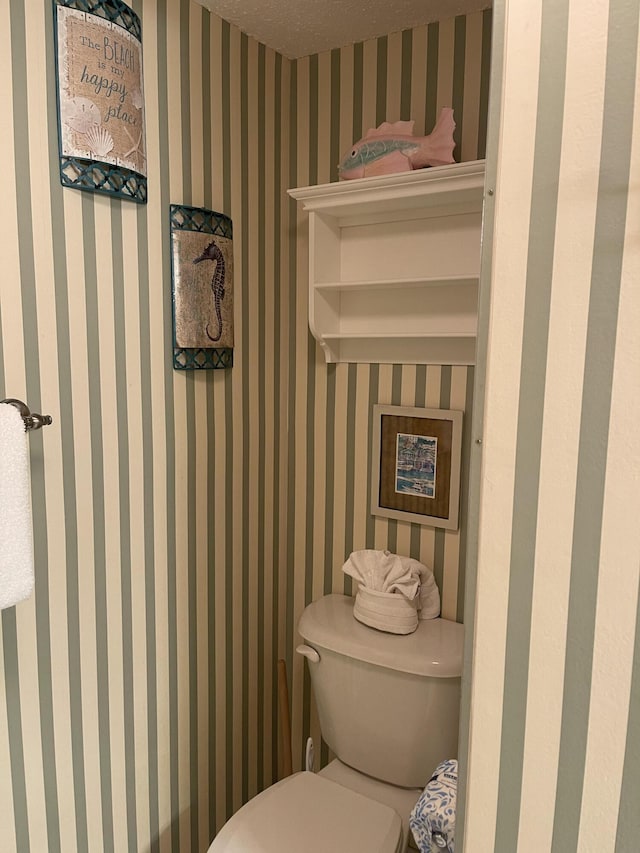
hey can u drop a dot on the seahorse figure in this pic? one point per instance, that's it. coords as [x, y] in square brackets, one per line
[213, 253]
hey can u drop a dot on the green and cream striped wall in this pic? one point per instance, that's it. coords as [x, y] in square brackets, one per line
[554, 705]
[183, 519]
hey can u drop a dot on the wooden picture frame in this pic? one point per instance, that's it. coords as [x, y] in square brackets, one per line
[415, 466]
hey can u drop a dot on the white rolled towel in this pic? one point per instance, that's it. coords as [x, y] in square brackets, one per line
[385, 611]
[392, 590]
[429, 601]
[16, 531]
[384, 572]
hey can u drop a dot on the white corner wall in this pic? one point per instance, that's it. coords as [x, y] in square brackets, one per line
[553, 763]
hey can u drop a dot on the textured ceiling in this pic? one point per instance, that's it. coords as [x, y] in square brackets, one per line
[302, 27]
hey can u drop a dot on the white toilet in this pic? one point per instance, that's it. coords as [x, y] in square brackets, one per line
[388, 706]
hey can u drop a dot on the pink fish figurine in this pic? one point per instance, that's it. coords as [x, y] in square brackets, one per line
[392, 147]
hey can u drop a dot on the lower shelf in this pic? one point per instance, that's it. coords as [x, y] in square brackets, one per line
[400, 349]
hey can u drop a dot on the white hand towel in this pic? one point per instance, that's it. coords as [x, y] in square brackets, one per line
[429, 602]
[429, 595]
[385, 611]
[383, 571]
[392, 589]
[16, 531]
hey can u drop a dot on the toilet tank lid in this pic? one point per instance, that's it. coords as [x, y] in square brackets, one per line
[434, 649]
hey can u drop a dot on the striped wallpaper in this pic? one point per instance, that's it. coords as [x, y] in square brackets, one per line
[183, 519]
[554, 701]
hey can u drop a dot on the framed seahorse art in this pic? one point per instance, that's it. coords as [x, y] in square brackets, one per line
[202, 288]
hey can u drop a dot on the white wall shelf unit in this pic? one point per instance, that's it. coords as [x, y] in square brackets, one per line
[394, 264]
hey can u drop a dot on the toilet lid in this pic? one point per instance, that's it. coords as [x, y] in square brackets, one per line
[308, 812]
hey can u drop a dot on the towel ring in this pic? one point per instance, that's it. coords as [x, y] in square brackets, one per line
[32, 420]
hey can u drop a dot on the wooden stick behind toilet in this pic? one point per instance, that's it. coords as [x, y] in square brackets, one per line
[285, 765]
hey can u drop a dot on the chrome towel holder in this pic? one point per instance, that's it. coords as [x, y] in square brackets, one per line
[31, 419]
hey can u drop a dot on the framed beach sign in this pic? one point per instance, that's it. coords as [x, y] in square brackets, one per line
[415, 470]
[101, 119]
[202, 288]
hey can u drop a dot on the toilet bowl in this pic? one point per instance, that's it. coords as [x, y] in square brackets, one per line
[388, 707]
[306, 812]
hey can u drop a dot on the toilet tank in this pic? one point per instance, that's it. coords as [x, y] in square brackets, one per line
[388, 704]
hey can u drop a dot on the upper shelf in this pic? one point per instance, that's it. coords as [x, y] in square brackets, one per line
[460, 183]
[396, 258]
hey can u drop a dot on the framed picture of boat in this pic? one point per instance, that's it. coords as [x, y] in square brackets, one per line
[415, 469]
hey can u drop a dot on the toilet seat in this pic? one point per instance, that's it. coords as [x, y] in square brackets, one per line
[306, 812]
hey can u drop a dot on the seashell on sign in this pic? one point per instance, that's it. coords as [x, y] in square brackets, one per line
[100, 141]
[81, 114]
